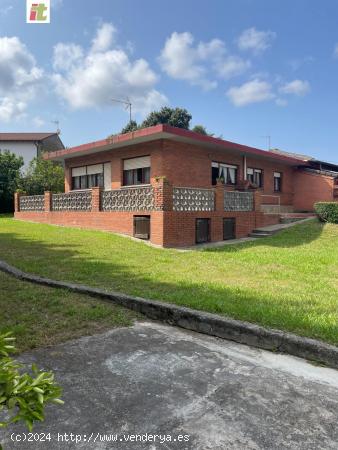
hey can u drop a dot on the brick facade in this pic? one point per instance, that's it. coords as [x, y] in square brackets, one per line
[185, 164]
[310, 188]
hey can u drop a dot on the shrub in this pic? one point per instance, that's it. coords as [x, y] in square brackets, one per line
[327, 211]
[23, 395]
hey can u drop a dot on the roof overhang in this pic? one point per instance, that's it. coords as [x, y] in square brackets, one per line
[167, 132]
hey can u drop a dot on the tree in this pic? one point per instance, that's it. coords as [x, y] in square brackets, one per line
[10, 166]
[176, 117]
[202, 130]
[131, 126]
[23, 395]
[43, 175]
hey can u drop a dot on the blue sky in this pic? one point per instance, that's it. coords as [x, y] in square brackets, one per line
[245, 68]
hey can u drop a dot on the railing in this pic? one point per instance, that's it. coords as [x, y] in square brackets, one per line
[238, 201]
[139, 198]
[193, 199]
[72, 201]
[270, 204]
[32, 203]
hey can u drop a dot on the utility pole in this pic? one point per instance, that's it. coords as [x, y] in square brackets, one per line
[127, 103]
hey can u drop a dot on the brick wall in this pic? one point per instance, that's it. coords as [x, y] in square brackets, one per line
[179, 227]
[185, 165]
[168, 228]
[116, 157]
[310, 188]
[190, 165]
[118, 222]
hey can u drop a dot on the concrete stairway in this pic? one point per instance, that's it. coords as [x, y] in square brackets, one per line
[272, 229]
[295, 217]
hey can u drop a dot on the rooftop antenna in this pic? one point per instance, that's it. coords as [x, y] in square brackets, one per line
[57, 123]
[268, 138]
[127, 104]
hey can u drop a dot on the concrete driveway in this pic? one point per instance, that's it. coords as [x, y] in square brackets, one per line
[206, 393]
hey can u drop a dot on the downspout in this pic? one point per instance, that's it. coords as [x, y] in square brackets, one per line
[244, 168]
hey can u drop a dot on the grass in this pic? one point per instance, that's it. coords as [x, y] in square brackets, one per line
[41, 316]
[288, 281]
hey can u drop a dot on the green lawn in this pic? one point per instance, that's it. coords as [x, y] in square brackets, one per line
[288, 281]
[41, 316]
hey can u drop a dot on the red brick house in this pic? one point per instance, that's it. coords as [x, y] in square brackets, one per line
[176, 187]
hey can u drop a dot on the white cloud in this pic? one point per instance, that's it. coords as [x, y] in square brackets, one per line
[20, 78]
[182, 61]
[11, 108]
[297, 63]
[295, 87]
[38, 122]
[255, 40]
[281, 102]
[232, 66]
[104, 38]
[335, 51]
[253, 91]
[102, 73]
[201, 63]
[5, 10]
[66, 56]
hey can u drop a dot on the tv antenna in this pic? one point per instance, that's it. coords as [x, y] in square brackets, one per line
[127, 104]
[268, 138]
[57, 123]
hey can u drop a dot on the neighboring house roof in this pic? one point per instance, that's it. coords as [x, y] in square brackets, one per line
[47, 142]
[167, 132]
[316, 164]
[25, 136]
[293, 155]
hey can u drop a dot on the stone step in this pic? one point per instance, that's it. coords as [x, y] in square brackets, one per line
[260, 235]
[264, 231]
[290, 219]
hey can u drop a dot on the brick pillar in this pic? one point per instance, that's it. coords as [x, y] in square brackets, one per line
[257, 201]
[17, 196]
[68, 179]
[48, 201]
[163, 194]
[219, 196]
[96, 194]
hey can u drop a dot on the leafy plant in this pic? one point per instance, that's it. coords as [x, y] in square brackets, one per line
[10, 166]
[43, 175]
[131, 126]
[327, 211]
[176, 117]
[201, 130]
[24, 395]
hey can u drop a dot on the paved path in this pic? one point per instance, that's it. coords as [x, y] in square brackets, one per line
[157, 379]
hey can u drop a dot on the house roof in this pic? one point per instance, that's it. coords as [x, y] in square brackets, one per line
[164, 131]
[25, 136]
[294, 155]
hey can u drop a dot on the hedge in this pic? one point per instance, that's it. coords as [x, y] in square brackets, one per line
[327, 211]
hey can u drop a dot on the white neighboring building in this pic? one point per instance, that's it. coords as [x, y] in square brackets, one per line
[30, 145]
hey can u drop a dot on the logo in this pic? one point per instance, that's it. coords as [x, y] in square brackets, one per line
[38, 11]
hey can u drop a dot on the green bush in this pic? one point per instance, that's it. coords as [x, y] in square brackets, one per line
[23, 395]
[327, 211]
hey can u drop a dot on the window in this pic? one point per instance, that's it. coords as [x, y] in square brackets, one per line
[255, 176]
[136, 171]
[277, 181]
[225, 171]
[87, 177]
